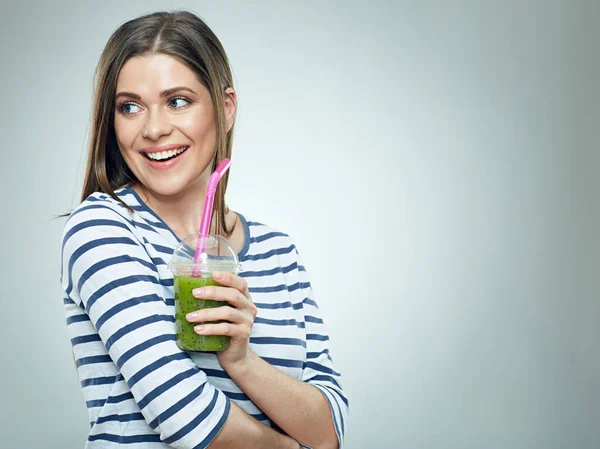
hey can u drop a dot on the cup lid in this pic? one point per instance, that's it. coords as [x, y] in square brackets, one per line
[219, 255]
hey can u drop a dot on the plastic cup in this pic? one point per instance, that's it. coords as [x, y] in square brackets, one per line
[217, 255]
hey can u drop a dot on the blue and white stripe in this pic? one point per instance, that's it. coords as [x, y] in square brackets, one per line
[139, 387]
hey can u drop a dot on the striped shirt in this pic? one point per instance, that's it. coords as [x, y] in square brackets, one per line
[139, 387]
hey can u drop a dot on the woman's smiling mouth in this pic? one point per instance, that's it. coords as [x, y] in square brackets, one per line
[164, 156]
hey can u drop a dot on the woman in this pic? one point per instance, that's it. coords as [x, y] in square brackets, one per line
[164, 113]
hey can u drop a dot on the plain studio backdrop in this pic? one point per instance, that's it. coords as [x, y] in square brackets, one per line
[437, 164]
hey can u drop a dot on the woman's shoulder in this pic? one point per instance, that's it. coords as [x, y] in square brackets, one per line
[97, 209]
[260, 231]
[100, 204]
[98, 226]
[264, 240]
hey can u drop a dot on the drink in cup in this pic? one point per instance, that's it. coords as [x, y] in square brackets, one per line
[216, 254]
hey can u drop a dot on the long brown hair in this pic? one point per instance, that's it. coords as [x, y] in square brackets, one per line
[187, 38]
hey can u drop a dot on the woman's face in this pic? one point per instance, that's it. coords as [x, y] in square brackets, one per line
[165, 124]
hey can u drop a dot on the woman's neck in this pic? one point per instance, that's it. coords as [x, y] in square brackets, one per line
[181, 212]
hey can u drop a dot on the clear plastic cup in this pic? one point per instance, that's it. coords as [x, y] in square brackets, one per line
[187, 275]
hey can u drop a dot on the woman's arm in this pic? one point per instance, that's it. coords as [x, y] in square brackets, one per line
[298, 408]
[313, 410]
[241, 430]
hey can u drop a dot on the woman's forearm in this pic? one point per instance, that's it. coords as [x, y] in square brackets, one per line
[243, 431]
[298, 408]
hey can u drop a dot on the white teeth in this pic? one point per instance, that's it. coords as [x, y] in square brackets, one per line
[165, 154]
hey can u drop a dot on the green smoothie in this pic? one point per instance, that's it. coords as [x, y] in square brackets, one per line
[185, 302]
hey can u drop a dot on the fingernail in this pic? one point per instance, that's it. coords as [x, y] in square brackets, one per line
[199, 328]
[217, 275]
[198, 292]
[191, 316]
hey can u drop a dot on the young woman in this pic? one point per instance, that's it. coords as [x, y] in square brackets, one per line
[164, 113]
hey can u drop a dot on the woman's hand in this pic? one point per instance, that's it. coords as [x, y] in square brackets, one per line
[239, 317]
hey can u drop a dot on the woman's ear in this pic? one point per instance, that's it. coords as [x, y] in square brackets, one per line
[230, 107]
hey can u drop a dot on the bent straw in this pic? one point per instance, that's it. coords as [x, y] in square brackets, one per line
[208, 207]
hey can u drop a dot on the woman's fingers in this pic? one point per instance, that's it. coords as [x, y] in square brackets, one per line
[234, 290]
[228, 329]
[238, 316]
[232, 280]
[225, 313]
[226, 294]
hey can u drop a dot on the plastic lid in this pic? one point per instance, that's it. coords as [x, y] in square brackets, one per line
[219, 255]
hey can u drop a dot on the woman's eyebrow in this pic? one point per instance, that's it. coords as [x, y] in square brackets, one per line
[164, 93]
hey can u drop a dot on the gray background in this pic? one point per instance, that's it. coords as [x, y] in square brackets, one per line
[437, 164]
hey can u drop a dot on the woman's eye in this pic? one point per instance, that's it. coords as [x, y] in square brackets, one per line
[130, 108]
[126, 108]
[175, 104]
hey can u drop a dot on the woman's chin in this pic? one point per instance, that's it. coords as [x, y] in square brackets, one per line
[166, 185]
[169, 188]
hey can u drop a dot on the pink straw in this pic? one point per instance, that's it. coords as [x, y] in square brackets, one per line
[208, 207]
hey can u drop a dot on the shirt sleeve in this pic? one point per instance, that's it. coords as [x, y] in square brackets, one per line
[108, 273]
[318, 369]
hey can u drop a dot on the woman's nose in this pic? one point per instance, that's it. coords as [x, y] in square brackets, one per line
[157, 124]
